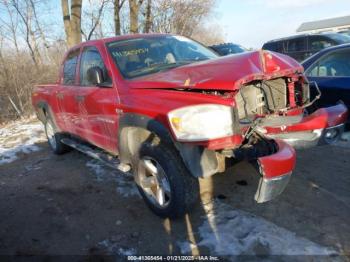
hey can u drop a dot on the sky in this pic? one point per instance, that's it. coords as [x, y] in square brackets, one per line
[253, 22]
[250, 23]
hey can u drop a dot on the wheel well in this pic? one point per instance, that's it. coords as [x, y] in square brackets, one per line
[130, 140]
[42, 111]
[134, 130]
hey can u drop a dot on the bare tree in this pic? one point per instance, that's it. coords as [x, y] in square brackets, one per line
[190, 18]
[10, 25]
[118, 4]
[134, 6]
[37, 24]
[210, 34]
[25, 12]
[23, 35]
[148, 21]
[72, 21]
[94, 17]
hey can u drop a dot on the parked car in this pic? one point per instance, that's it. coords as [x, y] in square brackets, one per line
[345, 32]
[171, 110]
[330, 69]
[301, 47]
[228, 49]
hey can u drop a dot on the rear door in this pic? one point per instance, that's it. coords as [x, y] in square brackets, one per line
[97, 104]
[66, 94]
[332, 74]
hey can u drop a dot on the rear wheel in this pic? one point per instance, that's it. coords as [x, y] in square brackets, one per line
[54, 138]
[164, 182]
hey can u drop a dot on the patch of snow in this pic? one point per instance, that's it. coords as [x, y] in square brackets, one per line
[20, 137]
[125, 183]
[344, 141]
[127, 252]
[97, 168]
[115, 249]
[230, 232]
[346, 136]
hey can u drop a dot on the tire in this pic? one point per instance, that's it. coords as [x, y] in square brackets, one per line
[180, 188]
[54, 138]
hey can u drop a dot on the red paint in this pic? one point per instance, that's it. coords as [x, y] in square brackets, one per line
[220, 143]
[320, 119]
[223, 73]
[291, 94]
[280, 163]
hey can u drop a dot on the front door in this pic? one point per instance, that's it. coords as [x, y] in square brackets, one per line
[97, 104]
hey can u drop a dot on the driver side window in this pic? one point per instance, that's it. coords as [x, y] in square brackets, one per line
[336, 64]
[91, 58]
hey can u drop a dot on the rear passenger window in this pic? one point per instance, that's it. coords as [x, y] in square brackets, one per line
[280, 47]
[317, 43]
[270, 46]
[69, 68]
[296, 45]
[277, 46]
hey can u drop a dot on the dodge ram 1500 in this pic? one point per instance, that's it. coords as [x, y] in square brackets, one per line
[172, 111]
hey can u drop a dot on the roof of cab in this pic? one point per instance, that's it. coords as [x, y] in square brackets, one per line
[116, 38]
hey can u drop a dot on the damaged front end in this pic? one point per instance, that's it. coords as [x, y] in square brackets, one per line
[273, 159]
[277, 104]
[275, 171]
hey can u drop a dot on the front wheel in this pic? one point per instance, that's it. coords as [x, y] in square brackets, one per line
[164, 182]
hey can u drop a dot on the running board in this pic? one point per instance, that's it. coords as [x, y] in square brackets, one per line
[105, 158]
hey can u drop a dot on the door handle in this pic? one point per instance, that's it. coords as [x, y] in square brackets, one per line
[59, 95]
[80, 98]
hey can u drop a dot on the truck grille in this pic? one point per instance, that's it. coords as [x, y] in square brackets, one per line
[262, 97]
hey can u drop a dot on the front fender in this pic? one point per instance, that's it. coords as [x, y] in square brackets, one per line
[141, 127]
[135, 129]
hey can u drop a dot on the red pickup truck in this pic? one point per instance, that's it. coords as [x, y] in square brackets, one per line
[172, 111]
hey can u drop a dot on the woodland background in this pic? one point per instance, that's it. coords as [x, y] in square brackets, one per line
[34, 34]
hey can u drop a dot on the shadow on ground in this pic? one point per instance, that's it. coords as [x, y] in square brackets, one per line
[71, 205]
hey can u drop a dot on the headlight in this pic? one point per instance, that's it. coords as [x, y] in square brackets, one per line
[201, 122]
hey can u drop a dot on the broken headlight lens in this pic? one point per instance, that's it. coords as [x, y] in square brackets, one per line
[201, 122]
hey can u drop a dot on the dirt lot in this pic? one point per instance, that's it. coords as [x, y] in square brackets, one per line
[72, 205]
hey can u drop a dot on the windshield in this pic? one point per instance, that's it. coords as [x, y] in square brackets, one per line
[143, 56]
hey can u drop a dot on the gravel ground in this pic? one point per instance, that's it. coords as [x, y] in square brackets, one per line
[72, 205]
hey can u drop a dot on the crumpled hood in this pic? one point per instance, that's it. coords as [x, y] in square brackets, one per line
[223, 73]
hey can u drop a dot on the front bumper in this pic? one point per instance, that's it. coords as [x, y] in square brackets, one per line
[275, 171]
[324, 126]
[268, 189]
[308, 139]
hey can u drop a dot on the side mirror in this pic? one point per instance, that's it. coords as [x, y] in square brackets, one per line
[95, 75]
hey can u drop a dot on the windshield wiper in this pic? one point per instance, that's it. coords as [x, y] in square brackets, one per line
[158, 67]
[188, 61]
[154, 67]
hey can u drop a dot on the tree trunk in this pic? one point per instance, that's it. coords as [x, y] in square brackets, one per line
[134, 6]
[118, 4]
[148, 22]
[72, 21]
